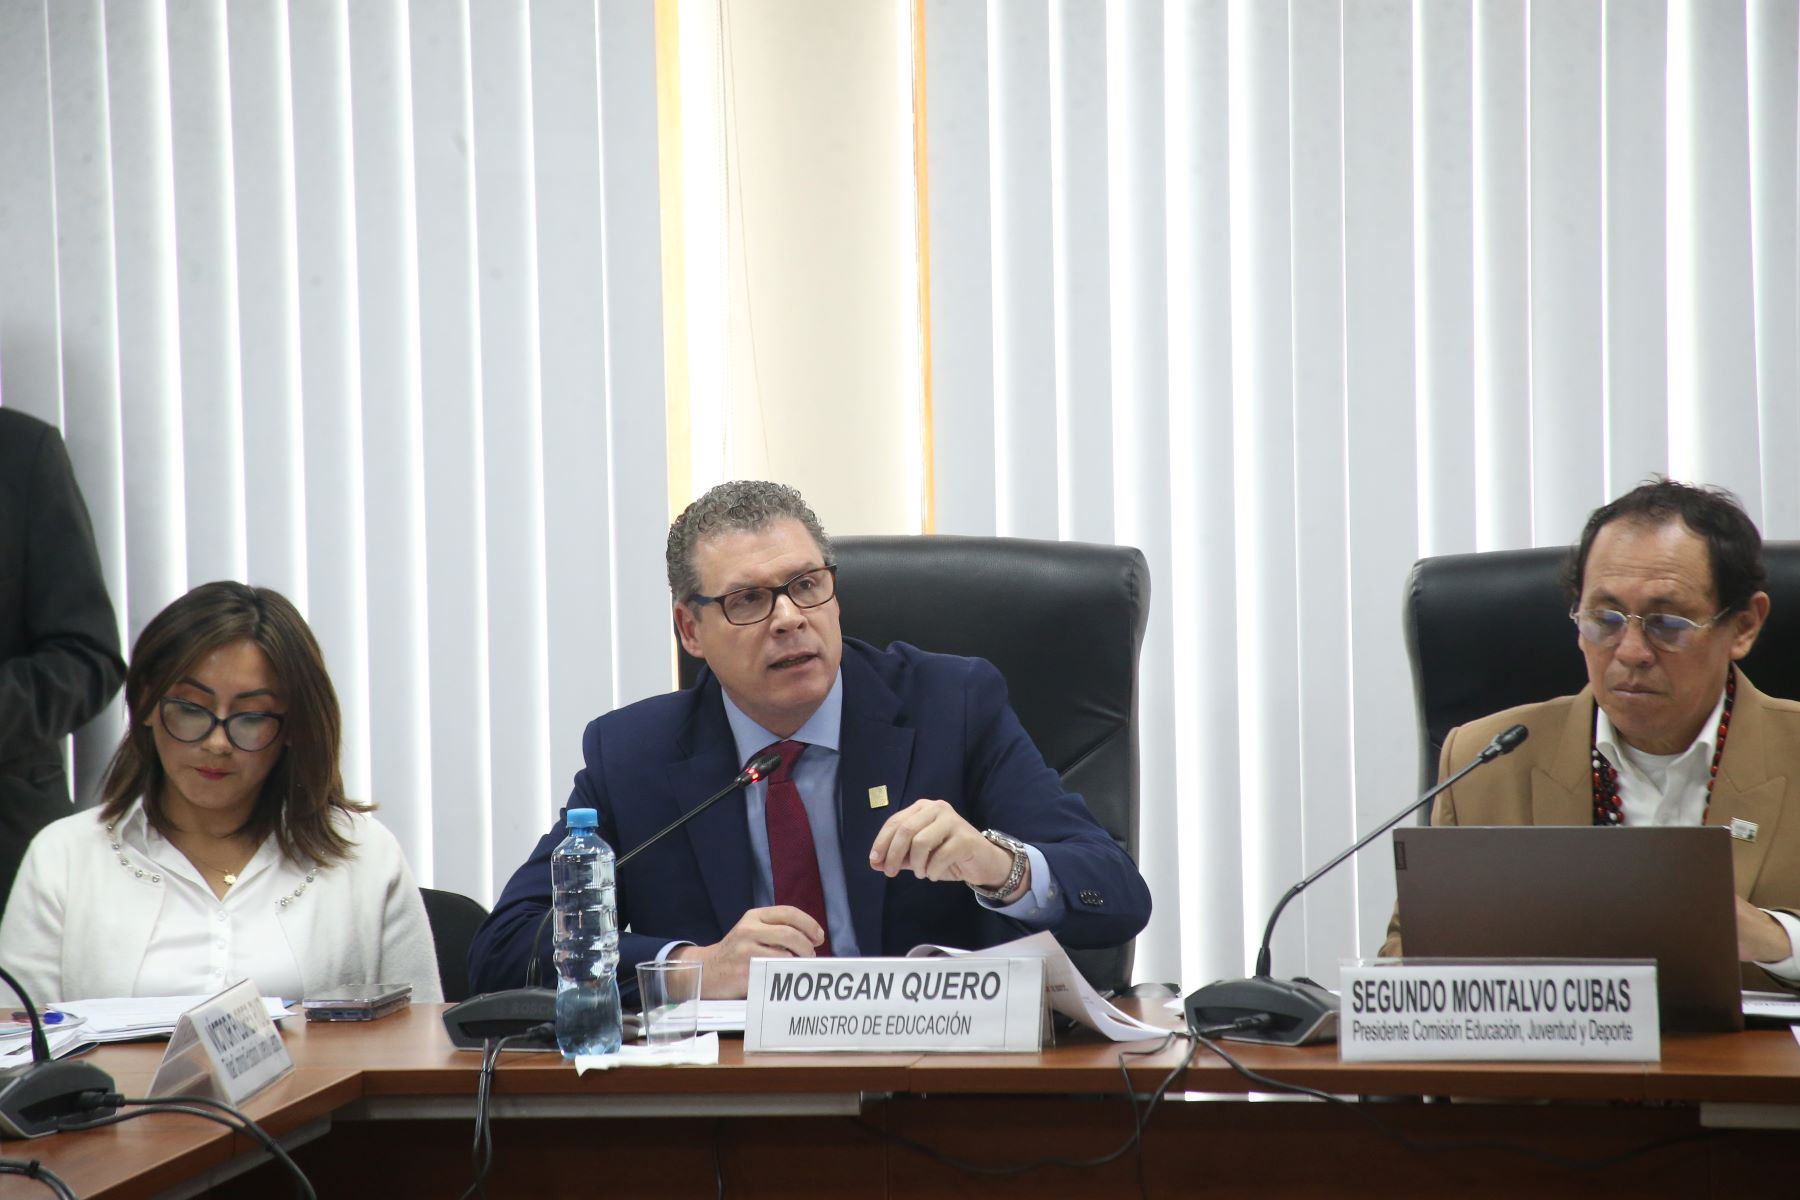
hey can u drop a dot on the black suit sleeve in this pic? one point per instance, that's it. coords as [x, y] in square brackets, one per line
[60, 664]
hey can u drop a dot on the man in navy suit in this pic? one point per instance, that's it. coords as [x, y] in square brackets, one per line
[909, 807]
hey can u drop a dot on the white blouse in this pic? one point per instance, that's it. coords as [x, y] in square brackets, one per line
[121, 912]
[227, 939]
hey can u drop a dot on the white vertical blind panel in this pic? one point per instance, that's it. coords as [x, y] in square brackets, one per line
[1138, 210]
[1566, 342]
[1382, 502]
[268, 297]
[86, 284]
[1444, 210]
[1317, 813]
[645, 663]
[962, 283]
[512, 427]
[1201, 584]
[137, 69]
[1635, 245]
[455, 502]
[215, 215]
[330, 377]
[1712, 368]
[1774, 40]
[87, 305]
[1025, 388]
[1502, 281]
[565, 80]
[1078, 220]
[1263, 421]
[206, 242]
[30, 376]
[400, 743]
[29, 373]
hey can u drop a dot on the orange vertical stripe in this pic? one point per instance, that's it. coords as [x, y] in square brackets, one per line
[922, 209]
[674, 256]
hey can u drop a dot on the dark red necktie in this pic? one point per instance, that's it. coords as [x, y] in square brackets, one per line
[793, 863]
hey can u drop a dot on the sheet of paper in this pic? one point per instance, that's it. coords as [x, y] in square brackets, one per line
[54, 1019]
[701, 1051]
[127, 1018]
[1070, 994]
[716, 1016]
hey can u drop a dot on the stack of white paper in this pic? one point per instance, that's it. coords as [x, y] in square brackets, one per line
[1779, 1006]
[65, 1038]
[1068, 992]
[130, 1018]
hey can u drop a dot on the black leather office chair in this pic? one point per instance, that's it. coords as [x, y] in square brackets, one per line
[1490, 631]
[1063, 622]
[454, 919]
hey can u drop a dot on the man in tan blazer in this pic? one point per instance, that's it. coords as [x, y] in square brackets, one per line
[1666, 585]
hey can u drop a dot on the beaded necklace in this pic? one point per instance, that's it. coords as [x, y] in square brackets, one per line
[1608, 810]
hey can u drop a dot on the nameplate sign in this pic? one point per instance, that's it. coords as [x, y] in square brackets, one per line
[895, 1004]
[226, 1048]
[1499, 1010]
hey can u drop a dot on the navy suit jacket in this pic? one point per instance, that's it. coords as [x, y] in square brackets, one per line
[924, 725]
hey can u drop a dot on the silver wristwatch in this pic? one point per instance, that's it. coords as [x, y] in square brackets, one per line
[1020, 861]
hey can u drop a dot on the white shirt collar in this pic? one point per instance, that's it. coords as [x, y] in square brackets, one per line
[134, 831]
[1609, 743]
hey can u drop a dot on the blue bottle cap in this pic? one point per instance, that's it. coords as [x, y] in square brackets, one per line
[582, 818]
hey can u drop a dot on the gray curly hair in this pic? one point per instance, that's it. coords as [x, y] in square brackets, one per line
[743, 504]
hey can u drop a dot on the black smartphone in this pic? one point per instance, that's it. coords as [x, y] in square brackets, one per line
[357, 1003]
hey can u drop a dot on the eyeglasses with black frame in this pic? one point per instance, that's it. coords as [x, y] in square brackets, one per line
[748, 606]
[188, 722]
[1666, 631]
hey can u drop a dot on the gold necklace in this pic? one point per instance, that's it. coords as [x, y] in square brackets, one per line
[229, 878]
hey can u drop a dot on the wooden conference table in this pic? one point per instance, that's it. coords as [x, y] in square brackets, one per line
[386, 1109]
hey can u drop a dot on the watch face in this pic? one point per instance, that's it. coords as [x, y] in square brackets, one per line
[1004, 840]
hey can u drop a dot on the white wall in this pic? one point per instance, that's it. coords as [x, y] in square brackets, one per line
[823, 388]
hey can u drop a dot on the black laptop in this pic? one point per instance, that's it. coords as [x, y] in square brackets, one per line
[1557, 891]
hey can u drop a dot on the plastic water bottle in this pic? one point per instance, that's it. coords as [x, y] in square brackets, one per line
[587, 940]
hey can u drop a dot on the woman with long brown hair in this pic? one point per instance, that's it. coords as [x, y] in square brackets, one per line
[224, 847]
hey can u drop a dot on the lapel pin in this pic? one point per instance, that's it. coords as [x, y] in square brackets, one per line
[878, 796]
[1742, 830]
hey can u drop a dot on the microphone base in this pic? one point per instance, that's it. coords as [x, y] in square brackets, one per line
[501, 1014]
[35, 1097]
[1299, 1011]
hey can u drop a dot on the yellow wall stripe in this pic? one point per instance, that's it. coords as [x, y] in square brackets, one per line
[922, 206]
[674, 255]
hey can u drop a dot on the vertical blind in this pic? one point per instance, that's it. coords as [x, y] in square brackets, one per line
[362, 301]
[1289, 295]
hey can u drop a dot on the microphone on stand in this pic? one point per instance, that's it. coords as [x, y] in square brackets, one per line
[515, 1011]
[1293, 1012]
